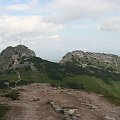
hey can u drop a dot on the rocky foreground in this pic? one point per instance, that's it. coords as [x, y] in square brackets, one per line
[42, 102]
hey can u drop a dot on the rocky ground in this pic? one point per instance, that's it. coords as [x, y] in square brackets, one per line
[42, 102]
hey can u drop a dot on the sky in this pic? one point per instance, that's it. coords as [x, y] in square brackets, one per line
[54, 27]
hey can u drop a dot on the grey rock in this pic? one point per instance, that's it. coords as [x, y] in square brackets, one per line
[69, 114]
[36, 99]
[70, 111]
[109, 118]
[11, 58]
[97, 60]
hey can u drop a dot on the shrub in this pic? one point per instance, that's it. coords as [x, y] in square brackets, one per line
[23, 82]
[55, 84]
[3, 110]
[13, 95]
[75, 85]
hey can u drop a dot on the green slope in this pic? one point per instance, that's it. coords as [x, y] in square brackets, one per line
[68, 76]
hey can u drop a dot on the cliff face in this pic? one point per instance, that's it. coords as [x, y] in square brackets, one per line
[11, 57]
[101, 60]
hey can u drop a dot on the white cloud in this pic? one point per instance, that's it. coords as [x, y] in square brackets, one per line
[83, 27]
[40, 31]
[32, 7]
[112, 24]
[17, 28]
[55, 37]
[17, 7]
[65, 10]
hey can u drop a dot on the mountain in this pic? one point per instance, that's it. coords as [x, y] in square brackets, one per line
[99, 72]
[11, 57]
[105, 66]
[15, 60]
[98, 60]
[20, 63]
[93, 72]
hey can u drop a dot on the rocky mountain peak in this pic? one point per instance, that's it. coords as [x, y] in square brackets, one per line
[12, 56]
[24, 51]
[19, 50]
[100, 60]
[78, 54]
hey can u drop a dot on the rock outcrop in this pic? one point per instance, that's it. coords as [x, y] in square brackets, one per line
[101, 60]
[11, 57]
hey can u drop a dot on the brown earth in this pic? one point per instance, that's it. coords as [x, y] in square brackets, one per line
[33, 104]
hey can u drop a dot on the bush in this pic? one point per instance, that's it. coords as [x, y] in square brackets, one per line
[3, 110]
[113, 99]
[3, 85]
[23, 82]
[13, 95]
[55, 84]
[72, 84]
[75, 85]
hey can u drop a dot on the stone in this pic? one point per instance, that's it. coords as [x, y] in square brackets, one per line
[69, 114]
[78, 115]
[36, 99]
[70, 111]
[74, 118]
[109, 118]
[67, 117]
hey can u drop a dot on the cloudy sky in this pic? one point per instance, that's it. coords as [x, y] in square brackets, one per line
[54, 27]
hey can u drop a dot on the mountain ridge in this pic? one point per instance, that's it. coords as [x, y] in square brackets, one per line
[101, 60]
[20, 66]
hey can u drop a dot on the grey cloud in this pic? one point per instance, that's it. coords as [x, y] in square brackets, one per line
[112, 24]
[62, 11]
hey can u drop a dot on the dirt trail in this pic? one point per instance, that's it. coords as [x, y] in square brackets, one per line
[33, 104]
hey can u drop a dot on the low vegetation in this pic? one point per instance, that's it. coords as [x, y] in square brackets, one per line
[3, 110]
[70, 75]
[91, 84]
[13, 95]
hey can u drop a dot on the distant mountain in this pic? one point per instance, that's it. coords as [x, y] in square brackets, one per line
[21, 64]
[90, 59]
[93, 72]
[11, 57]
[20, 58]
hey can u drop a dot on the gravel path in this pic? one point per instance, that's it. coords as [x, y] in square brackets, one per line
[33, 104]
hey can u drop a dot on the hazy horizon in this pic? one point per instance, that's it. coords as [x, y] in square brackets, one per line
[54, 27]
[57, 58]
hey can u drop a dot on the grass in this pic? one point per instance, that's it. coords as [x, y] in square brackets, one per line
[9, 76]
[92, 84]
[115, 100]
[33, 76]
[109, 88]
[3, 110]
[69, 76]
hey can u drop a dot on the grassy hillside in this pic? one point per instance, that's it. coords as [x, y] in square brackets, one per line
[67, 76]
[87, 83]
[92, 84]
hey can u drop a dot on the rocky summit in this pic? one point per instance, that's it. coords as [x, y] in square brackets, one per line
[100, 60]
[11, 57]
